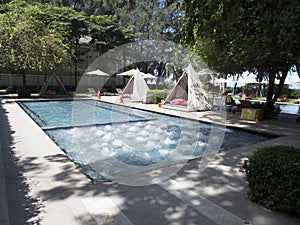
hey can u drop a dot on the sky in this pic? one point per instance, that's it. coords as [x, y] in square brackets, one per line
[292, 78]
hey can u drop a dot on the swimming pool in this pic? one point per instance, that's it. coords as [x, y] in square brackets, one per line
[74, 113]
[108, 141]
[289, 108]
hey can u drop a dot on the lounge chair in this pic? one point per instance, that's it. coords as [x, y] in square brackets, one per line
[282, 98]
[91, 91]
[104, 91]
[119, 90]
[251, 95]
[245, 103]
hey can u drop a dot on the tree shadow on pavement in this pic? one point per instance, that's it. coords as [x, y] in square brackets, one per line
[22, 208]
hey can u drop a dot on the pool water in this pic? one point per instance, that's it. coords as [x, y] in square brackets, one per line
[289, 108]
[109, 142]
[71, 113]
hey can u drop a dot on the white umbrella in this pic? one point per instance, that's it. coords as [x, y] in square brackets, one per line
[148, 76]
[246, 81]
[132, 72]
[220, 81]
[128, 73]
[97, 73]
[206, 71]
[264, 82]
[277, 81]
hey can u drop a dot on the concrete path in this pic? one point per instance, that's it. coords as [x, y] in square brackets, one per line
[53, 190]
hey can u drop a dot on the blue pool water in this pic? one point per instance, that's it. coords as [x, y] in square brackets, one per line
[289, 108]
[108, 141]
[70, 113]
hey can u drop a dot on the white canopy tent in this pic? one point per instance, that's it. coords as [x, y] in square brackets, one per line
[188, 94]
[136, 88]
[61, 88]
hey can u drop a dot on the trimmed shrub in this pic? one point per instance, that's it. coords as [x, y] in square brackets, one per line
[158, 95]
[273, 175]
[11, 89]
[23, 93]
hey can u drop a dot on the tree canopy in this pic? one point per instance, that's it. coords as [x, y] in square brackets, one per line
[27, 44]
[37, 21]
[237, 36]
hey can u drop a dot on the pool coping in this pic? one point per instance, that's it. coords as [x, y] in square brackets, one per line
[227, 118]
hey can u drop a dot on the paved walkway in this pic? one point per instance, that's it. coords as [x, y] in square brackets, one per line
[202, 192]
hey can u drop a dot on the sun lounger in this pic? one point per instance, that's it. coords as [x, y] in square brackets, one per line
[282, 98]
[119, 90]
[91, 91]
[251, 95]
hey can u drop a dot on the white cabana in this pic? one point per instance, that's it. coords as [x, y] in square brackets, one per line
[188, 94]
[136, 88]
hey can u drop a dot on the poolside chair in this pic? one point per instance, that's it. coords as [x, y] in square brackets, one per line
[251, 95]
[119, 90]
[282, 98]
[245, 103]
[91, 91]
[104, 91]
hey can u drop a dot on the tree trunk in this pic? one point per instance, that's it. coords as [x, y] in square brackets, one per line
[76, 62]
[235, 84]
[272, 93]
[225, 84]
[298, 69]
[258, 91]
[24, 82]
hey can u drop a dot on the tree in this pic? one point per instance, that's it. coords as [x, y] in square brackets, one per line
[237, 36]
[152, 20]
[107, 33]
[27, 44]
[71, 24]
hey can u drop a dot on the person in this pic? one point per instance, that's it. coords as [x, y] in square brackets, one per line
[229, 103]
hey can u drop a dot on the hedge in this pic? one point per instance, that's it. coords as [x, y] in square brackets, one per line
[158, 95]
[273, 175]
